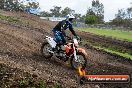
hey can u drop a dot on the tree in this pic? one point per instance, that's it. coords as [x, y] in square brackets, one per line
[66, 11]
[17, 5]
[2, 4]
[123, 18]
[90, 12]
[8, 5]
[95, 14]
[98, 9]
[90, 19]
[129, 13]
[82, 18]
[77, 15]
[11, 5]
[32, 6]
[56, 11]
[121, 14]
[45, 14]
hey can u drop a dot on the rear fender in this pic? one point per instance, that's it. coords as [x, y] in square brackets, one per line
[51, 41]
[82, 51]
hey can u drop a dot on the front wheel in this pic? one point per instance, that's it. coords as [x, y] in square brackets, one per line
[45, 50]
[81, 60]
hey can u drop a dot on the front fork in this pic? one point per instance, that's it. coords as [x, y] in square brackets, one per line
[75, 54]
[78, 50]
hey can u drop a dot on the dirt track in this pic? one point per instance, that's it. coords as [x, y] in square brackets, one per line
[20, 48]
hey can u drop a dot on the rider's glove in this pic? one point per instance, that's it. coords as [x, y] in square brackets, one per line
[69, 38]
[78, 38]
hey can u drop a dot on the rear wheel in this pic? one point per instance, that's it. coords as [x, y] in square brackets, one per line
[46, 50]
[81, 61]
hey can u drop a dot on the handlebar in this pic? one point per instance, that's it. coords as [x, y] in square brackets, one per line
[71, 38]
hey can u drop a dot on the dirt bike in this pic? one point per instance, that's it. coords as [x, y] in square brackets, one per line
[70, 51]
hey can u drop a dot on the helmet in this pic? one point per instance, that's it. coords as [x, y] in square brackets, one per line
[70, 16]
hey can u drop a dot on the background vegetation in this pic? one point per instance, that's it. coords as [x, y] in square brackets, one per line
[94, 14]
[19, 5]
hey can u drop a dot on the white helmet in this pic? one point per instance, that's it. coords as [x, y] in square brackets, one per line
[70, 16]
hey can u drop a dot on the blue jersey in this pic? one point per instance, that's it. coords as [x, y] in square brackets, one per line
[63, 25]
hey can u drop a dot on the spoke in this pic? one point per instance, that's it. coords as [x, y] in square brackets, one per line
[80, 61]
[46, 50]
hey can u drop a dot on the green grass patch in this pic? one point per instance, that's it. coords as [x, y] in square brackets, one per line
[9, 18]
[118, 34]
[108, 49]
[57, 85]
[126, 55]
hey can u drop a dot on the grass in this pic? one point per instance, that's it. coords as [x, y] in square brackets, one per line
[57, 86]
[42, 84]
[108, 49]
[30, 83]
[118, 34]
[126, 55]
[8, 18]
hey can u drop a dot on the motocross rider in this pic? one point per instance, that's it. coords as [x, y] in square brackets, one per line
[59, 30]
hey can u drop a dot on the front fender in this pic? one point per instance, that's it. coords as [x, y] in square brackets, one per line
[82, 51]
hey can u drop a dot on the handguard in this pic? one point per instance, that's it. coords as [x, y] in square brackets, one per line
[82, 50]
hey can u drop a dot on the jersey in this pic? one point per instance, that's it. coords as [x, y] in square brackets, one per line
[63, 25]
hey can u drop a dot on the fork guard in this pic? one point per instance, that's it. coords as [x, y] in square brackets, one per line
[82, 50]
